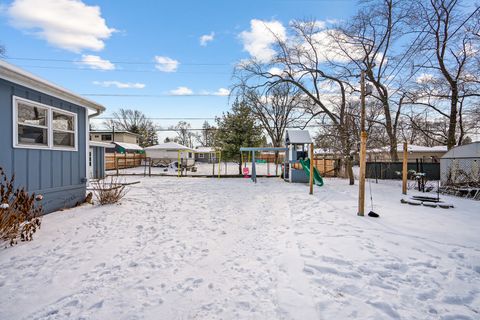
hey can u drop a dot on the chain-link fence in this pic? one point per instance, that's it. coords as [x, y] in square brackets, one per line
[460, 171]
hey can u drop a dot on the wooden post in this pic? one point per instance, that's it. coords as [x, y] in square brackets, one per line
[405, 168]
[363, 150]
[361, 182]
[311, 168]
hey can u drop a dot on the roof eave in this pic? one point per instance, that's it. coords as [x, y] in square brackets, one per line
[21, 77]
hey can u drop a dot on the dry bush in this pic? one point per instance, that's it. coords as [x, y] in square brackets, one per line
[19, 213]
[108, 192]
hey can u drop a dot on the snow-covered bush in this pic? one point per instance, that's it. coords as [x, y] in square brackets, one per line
[19, 212]
[108, 192]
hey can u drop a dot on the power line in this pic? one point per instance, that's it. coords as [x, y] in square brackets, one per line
[166, 95]
[430, 57]
[121, 62]
[120, 70]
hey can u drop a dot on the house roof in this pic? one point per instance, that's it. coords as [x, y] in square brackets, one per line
[298, 136]
[204, 149]
[324, 151]
[411, 148]
[19, 76]
[169, 146]
[128, 146]
[468, 150]
[101, 144]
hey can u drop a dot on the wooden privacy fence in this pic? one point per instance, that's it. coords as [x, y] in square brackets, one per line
[123, 160]
[326, 167]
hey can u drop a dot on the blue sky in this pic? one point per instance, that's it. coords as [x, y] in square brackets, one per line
[121, 39]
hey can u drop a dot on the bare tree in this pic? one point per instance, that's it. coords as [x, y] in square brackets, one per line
[300, 63]
[276, 108]
[185, 136]
[206, 138]
[451, 79]
[135, 122]
[367, 42]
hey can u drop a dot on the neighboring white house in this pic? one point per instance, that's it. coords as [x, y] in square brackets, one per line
[427, 154]
[169, 152]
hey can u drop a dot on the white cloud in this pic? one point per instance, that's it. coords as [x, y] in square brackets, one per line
[206, 38]
[120, 85]
[262, 35]
[182, 91]
[166, 64]
[221, 92]
[425, 78]
[95, 62]
[275, 71]
[68, 24]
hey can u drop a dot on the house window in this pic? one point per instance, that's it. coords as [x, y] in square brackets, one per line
[201, 156]
[106, 137]
[32, 125]
[63, 129]
[41, 126]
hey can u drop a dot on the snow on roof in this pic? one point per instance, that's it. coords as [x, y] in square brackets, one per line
[298, 136]
[128, 146]
[411, 148]
[324, 151]
[205, 149]
[467, 150]
[101, 144]
[169, 146]
[16, 75]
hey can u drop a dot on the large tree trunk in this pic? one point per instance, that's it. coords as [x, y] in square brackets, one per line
[347, 163]
[452, 126]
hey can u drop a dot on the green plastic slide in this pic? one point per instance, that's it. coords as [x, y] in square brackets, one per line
[317, 178]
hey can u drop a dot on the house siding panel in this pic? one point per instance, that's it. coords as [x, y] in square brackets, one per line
[58, 175]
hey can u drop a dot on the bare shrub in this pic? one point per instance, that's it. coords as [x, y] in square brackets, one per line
[19, 213]
[109, 191]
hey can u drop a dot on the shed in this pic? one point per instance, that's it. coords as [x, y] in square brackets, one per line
[124, 147]
[44, 133]
[460, 165]
[169, 152]
[96, 159]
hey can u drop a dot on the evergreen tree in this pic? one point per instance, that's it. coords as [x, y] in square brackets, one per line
[238, 128]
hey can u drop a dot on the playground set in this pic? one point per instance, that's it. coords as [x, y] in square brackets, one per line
[297, 167]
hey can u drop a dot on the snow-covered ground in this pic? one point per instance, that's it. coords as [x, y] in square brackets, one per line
[199, 248]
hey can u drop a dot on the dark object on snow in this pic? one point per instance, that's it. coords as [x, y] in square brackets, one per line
[426, 199]
[373, 214]
[445, 205]
[430, 204]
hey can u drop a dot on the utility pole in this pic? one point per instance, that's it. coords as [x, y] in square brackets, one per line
[363, 149]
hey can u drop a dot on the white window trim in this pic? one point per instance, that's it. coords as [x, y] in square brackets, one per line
[49, 127]
[201, 156]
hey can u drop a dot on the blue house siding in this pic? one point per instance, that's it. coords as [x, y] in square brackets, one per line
[60, 176]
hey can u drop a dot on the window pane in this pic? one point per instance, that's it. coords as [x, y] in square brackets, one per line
[32, 115]
[32, 136]
[62, 121]
[63, 139]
